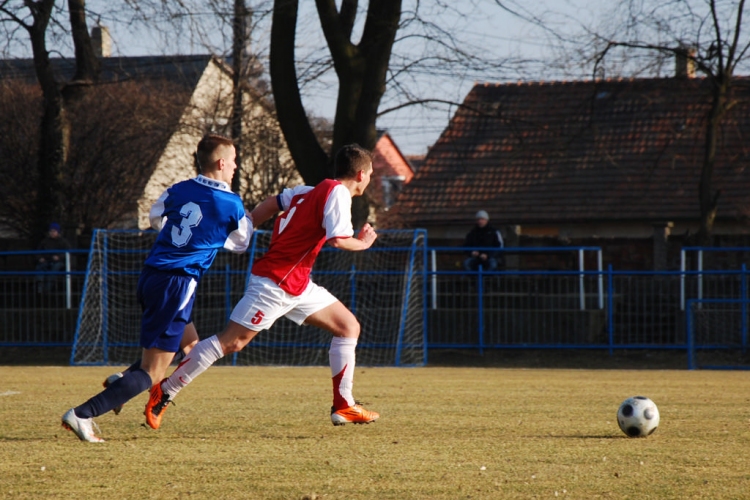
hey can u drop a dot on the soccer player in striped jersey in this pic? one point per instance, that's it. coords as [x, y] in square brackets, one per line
[280, 285]
[195, 218]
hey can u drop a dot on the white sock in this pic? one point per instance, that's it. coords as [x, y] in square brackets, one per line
[204, 354]
[342, 358]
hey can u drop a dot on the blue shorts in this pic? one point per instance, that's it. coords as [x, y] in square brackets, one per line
[167, 303]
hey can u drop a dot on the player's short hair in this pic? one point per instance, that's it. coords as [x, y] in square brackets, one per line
[350, 159]
[206, 148]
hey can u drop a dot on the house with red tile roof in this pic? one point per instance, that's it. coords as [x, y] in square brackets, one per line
[199, 91]
[391, 171]
[585, 162]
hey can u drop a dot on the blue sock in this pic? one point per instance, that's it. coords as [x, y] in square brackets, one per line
[119, 392]
[132, 367]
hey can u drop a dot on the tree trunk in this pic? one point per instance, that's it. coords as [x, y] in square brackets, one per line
[311, 160]
[239, 40]
[708, 198]
[87, 64]
[361, 71]
[54, 128]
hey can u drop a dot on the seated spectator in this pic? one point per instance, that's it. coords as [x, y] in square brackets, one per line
[483, 235]
[51, 262]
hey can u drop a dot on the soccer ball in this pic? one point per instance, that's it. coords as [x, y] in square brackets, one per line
[638, 416]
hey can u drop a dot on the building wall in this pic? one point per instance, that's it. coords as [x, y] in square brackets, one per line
[388, 160]
[210, 108]
[391, 171]
[176, 164]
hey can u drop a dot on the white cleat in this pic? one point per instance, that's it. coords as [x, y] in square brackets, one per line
[82, 427]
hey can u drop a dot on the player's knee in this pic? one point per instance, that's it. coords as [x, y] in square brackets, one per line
[237, 342]
[232, 347]
[189, 346]
[351, 330]
[235, 345]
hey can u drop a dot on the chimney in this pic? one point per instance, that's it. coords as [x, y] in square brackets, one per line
[102, 41]
[685, 62]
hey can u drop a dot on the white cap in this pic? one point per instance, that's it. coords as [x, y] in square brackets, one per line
[482, 215]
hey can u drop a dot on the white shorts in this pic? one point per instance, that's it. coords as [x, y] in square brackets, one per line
[264, 302]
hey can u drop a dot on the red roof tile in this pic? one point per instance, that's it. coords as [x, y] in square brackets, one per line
[388, 159]
[626, 150]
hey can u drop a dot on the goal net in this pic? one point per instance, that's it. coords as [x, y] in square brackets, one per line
[718, 334]
[384, 287]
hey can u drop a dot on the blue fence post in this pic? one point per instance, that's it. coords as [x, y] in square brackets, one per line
[743, 288]
[690, 335]
[480, 304]
[353, 289]
[610, 310]
[425, 316]
[227, 291]
[105, 299]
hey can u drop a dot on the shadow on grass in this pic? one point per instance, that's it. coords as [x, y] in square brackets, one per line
[496, 358]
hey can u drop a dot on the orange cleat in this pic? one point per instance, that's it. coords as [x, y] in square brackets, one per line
[353, 415]
[156, 406]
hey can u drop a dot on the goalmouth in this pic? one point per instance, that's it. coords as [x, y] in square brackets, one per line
[385, 287]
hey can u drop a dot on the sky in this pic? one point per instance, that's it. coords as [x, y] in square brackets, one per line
[478, 26]
[512, 50]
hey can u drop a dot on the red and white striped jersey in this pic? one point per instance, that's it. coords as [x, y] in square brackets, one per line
[312, 216]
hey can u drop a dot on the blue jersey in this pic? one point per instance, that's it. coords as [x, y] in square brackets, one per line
[195, 218]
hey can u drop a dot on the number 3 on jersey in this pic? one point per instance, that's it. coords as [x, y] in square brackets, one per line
[192, 216]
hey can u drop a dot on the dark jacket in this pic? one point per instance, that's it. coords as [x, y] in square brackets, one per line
[49, 243]
[486, 236]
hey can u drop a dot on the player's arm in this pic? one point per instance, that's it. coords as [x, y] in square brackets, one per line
[239, 240]
[265, 210]
[363, 241]
[156, 214]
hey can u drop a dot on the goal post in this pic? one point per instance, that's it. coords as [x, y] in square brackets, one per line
[384, 287]
[717, 334]
[107, 305]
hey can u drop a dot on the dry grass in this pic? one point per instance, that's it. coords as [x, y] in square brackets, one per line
[445, 433]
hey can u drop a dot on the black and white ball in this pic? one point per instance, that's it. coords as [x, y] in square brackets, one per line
[638, 416]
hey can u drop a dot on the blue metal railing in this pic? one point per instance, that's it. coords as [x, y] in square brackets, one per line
[581, 308]
[738, 343]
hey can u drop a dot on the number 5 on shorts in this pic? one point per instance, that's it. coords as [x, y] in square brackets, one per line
[257, 318]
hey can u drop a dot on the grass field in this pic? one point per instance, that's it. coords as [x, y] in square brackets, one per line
[444, 433]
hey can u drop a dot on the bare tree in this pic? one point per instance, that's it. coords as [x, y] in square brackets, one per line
[361, 69]
[708, 37]
[381, 59]
[117, 135]
[239, 39]
[20, 107]
[267, 166]
[120, 131]
[35, 17]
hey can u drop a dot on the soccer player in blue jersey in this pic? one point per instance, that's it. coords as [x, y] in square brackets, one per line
[280, 285]
[195, 218]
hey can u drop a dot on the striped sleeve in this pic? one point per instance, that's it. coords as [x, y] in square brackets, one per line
[156, 214]
[239, 239]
